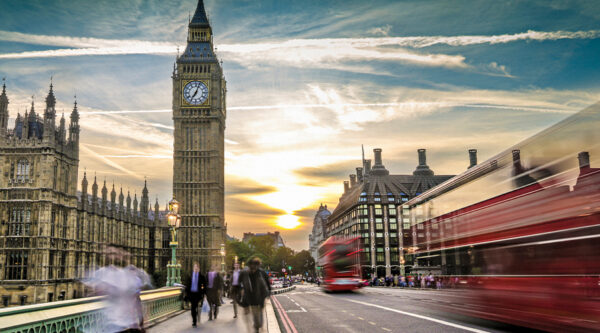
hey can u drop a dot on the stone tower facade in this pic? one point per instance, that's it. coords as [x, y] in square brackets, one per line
[199, 113]
[51, 235]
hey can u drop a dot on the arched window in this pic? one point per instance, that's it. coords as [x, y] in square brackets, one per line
[23, 170]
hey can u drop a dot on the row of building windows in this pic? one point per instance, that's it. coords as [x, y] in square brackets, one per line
[197, 68]
[21, 171]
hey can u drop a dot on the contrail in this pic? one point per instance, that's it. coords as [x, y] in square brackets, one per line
[334, 105]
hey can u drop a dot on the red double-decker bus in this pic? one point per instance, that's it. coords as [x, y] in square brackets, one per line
[519, 234]
[340, 259]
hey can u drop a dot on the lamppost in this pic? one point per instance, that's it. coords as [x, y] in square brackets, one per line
[174, 221]
[222, 257]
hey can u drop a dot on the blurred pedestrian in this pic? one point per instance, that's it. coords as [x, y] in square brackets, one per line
[227, 285]
[122, 286]
[255, 288]
[195, 288]
[234, 291]
[213, 292]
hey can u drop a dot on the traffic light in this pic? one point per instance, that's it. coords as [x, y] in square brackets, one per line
[290, 268]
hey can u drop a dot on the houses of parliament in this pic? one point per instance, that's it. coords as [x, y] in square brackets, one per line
[51, 234]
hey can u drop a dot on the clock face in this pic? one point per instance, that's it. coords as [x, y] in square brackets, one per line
[195, 92]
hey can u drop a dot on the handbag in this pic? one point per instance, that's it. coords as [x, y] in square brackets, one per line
[205, 307]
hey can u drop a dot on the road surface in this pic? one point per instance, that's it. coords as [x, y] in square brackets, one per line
[308, 309]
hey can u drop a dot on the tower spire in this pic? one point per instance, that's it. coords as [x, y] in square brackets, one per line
[3, 109]
[199, 19]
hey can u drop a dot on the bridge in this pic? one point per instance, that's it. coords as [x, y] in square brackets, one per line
[164, 310]
[84, 314]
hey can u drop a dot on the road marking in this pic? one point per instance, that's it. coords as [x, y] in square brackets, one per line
[443, 322]
[361, 318]
[386, 329]
[289, 326]
[372, 323]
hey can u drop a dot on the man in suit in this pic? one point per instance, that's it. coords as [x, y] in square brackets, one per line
[213, 292]
[234, 292]
[195, 288]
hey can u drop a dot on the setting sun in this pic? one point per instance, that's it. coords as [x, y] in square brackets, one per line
[288, 221]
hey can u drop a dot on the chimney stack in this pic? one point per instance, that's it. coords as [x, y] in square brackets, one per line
[422, 168]
[377, 153]
[516, 155]
[584, 159]
[346, 186]
[367, 167]
[422, 156]
[472, 158]
[359, 174]
[352, 180]
[378, 168]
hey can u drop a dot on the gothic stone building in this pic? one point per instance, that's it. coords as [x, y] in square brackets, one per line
[318, 235]
[369, 208]
[51, 235]
[199, 113]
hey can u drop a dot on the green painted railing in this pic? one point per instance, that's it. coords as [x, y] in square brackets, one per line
[84, 314]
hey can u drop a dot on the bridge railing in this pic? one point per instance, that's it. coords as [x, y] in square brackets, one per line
[83, 314]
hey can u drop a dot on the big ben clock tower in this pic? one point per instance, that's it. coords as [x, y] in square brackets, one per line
[199, 112]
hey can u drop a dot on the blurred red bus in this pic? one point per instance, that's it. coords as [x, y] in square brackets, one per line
[340, 259]
[519, 232]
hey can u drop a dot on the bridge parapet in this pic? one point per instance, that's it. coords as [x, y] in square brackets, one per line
[83, 314]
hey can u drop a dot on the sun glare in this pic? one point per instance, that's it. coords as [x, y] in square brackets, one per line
[288, 221]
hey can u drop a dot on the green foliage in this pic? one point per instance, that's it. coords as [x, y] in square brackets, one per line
[262, 245]
[274, 259]
[159, 278]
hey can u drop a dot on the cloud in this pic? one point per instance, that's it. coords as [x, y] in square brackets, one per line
[380, 31]
[238, 185]
[313, 53]
[329, 172]
[245, 207]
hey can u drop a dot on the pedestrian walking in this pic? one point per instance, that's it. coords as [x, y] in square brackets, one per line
[234, 291]
[122, 286]
[195, 288]
[213, 292]
[255, 288]
[227, 285]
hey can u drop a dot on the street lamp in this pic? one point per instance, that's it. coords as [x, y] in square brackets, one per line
[222, 257]
[174, 221]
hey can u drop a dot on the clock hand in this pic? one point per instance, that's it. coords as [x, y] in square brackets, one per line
[195, 92]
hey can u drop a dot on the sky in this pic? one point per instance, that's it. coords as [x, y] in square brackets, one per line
[309, 82]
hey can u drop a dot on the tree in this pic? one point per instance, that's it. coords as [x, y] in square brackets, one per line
[281, 258]
[239, 249]
[263, 246]
[302, 263]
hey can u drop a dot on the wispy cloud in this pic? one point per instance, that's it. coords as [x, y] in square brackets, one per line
[295, 52]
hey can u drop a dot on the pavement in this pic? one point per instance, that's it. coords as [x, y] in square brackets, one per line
[308, 309]
[224, 323]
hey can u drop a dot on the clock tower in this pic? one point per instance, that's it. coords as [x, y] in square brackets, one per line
[199, 112]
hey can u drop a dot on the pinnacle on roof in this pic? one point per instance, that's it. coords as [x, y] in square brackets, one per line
[3, 97]
[75, 112]
[199, 19]
[50, 99]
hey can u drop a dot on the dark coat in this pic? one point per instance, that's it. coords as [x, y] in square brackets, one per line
[255, 287]
[213, 295]
[201, 287]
